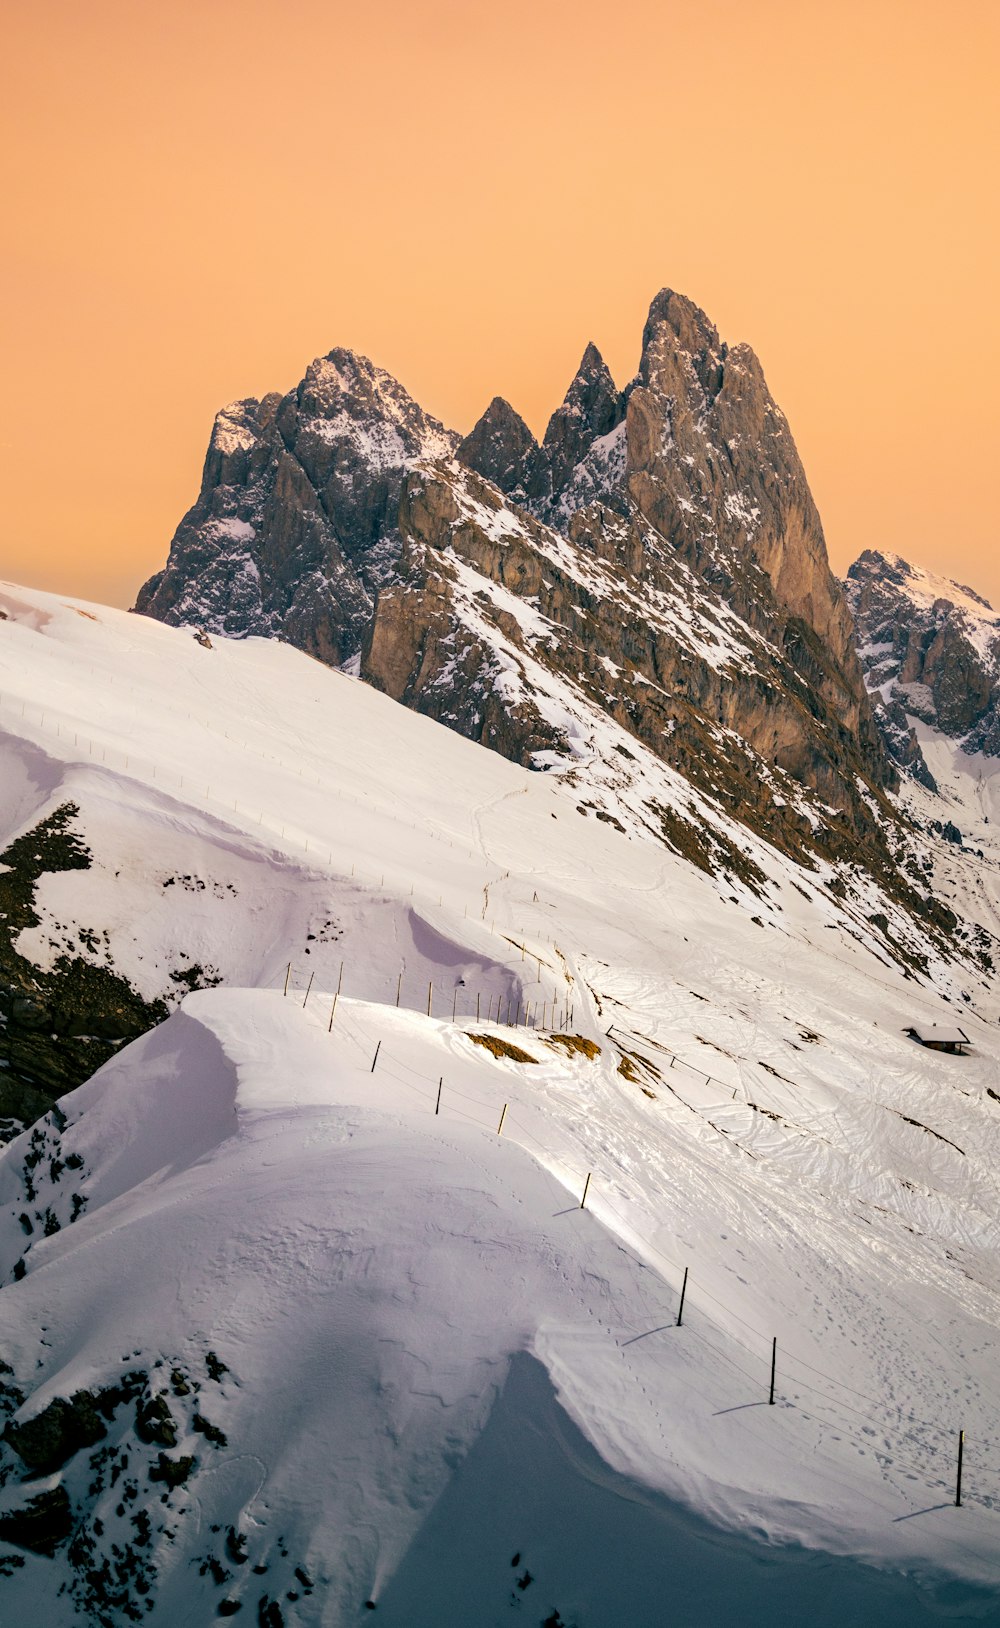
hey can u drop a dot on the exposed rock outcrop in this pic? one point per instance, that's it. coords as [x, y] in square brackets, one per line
[930, 650]
[59, 1024]
[703, 525]
[501, 447]
[294, 529]
[593, 409]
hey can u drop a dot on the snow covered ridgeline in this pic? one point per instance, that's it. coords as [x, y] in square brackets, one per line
[261, 746]
[849, 1188]
[351, 1350]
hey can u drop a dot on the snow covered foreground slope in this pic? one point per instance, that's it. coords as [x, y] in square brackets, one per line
[424, 1358]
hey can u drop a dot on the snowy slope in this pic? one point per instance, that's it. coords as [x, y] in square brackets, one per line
[428, 1359]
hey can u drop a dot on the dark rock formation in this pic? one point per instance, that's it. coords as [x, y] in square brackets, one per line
[930, 650]
[46, 1442]
[593, 409]
[294, 528]
[41, 1524]
[501, 447]
[57, 1025]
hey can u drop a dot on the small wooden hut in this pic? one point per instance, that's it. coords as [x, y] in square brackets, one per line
[940, 1038]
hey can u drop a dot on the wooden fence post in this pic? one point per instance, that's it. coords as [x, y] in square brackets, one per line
[586, 1190]
[684, 1290]
[288, 974]
[430, 987]
[378, 1048]
[774, 1364]
[437, 1105]
[958, 1483]
[503, 1116]
[309, 986]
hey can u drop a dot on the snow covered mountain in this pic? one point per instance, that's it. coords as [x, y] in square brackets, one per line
[930, 649]
[641, 604]
[302, 1314]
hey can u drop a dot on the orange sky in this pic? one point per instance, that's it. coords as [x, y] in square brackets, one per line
[202, 196]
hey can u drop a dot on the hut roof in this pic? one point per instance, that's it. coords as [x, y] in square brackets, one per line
[942, 1034]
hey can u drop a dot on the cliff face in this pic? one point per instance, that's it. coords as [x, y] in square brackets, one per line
[688, 488]
[641, 602]
[534, 644]
[294, 529]
[930, 649]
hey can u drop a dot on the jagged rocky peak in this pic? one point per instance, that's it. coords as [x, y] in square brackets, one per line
[681, 349]
[930, 649]
[345, 398]
[696, 449]
[501, 447]
[295, 524]
[712, 465]
[593, 408]
[642, 601]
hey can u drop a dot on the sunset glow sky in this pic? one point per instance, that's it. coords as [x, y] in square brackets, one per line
[202, 196]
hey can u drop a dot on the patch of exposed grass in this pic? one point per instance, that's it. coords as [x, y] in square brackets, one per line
[628, 1070]
[502, 1048]
[575, 1043]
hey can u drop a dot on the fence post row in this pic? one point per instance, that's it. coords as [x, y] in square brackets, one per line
[586, 1185]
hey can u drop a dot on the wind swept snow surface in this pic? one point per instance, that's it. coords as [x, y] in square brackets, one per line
[319, 1259]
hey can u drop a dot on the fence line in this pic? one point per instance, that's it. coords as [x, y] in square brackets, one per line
[439, 1096]
[130, 764]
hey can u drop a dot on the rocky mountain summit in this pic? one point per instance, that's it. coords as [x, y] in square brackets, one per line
[294, 529]
[641, 602]
[930, 649]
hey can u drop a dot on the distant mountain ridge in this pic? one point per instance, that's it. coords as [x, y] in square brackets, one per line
[930, 649]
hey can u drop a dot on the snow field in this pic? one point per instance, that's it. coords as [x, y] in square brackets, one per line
[402, 1295]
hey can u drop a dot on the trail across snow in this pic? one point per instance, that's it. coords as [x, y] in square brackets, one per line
[436, 1358]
